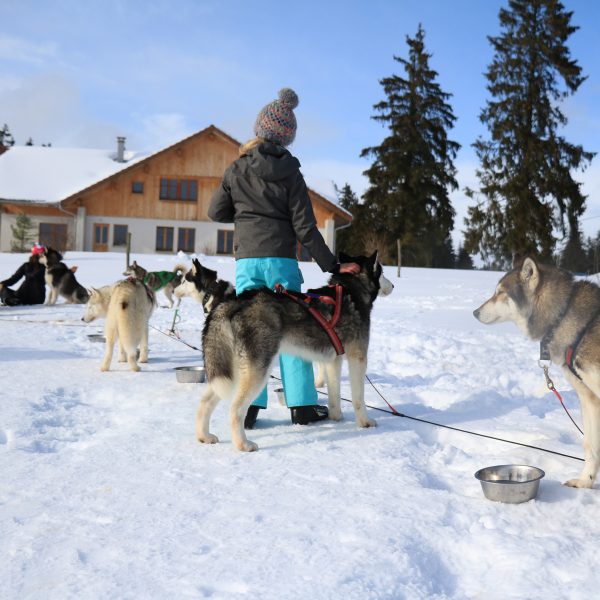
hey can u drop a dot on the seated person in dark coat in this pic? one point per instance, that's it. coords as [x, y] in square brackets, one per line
[33, 289]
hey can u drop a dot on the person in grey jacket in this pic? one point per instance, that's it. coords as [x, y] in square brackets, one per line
[264, 194]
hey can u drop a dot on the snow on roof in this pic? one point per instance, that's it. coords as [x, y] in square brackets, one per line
[48, 174]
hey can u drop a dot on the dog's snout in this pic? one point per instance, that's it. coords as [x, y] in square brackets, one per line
[476, 313]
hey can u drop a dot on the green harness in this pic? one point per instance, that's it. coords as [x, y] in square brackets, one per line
[156, 280]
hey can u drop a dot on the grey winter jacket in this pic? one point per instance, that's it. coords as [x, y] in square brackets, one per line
[264, 194]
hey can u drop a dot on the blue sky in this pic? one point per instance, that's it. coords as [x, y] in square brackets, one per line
[80, 73]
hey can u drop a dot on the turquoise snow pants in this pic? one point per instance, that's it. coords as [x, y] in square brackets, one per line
[296, 373]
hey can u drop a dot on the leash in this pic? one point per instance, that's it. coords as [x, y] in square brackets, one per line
[176, 319]
[550, 385]
[396, 413]
[175, 336]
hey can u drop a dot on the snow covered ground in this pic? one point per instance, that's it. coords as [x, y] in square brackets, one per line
[104, 492]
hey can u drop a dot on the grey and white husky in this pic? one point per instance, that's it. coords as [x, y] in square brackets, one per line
[548, 305]
[127, 306]
[61, 279]
[242, 336]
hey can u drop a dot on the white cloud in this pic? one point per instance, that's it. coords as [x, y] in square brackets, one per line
[160, 130]
[320, 175]
[21, 50]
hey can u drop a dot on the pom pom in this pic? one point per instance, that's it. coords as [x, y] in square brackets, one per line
[288, 97]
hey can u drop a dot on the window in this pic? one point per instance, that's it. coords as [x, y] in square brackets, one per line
[100, 233]
[225, 241]
[178, 189]
[137, 187]
[164, 238]
[53, 235]
[119, 235]
[186, 239]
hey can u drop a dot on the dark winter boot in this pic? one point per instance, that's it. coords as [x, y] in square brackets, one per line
[251, 416]
[303, 415]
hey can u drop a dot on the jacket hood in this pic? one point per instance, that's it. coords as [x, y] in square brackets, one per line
[272, 162]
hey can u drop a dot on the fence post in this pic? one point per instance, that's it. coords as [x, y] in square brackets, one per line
[127, 263]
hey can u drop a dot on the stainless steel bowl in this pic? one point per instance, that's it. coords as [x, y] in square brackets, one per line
[190, 374]
[510, 483]
[96, 337]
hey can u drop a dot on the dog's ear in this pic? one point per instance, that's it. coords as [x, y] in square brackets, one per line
[135, 263]
[373, 259]
[196, 266]
[530, 273]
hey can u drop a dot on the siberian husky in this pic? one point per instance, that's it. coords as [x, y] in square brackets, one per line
[242, 336]
[548, 305]
[61, 280]
[127, 306]
[204, 286]
[167, 281]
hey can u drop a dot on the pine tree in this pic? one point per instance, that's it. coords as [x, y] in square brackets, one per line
[527, 191]
[464, 260]
[348, 239]
[22, 233]
[573, 256]
[413, 169]
[6, 137]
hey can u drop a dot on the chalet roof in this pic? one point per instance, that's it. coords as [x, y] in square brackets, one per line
[47, 175]
[50, 175]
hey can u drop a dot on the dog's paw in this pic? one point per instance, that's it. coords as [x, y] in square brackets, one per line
[366, 422]
[209, 438]
[579, 483]
[104, 368]
[247, 446]
[335, 414]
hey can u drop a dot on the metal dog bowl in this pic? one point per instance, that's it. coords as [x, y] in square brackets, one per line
[510, 483]
[96, 337]
[190, 374]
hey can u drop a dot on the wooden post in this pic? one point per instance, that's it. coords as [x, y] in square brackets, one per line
[399, 246]
[127, 263]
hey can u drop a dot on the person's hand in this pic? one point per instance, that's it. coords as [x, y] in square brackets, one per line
[350, 268]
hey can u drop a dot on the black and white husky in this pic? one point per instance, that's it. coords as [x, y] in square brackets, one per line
[204, 286]
[242, 336]
[61, 279]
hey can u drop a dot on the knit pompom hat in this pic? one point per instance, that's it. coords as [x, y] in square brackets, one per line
[276, 122]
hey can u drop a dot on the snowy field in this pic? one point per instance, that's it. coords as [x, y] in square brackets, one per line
[104, 492]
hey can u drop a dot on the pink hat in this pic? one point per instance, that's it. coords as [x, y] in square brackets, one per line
[38, 249]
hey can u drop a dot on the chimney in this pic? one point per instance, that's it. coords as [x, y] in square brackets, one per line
[120, 149]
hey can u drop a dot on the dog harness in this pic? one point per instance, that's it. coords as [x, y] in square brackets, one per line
[149, 292]
[571, 351]
[163, 277]
[308, 301]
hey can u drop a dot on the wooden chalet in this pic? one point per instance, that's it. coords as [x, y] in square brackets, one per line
[161, 199]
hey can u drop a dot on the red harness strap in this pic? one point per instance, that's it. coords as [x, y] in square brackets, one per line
[305, 299]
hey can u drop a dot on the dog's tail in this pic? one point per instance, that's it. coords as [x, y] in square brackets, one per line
[180, 270]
